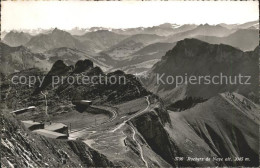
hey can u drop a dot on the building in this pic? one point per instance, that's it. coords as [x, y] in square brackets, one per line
[51, 134]
[57, 127]
[82, 102]
[31, 125]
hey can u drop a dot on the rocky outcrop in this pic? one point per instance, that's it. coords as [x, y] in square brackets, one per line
[82, 65]
[58, 69]
[114, 88]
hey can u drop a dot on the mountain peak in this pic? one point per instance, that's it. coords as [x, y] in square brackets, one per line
[197, 48]
[13, 32]
[166, 25]
[83, 65]
[204, 25]
[189, 43]
[58, 31]
[59, 65]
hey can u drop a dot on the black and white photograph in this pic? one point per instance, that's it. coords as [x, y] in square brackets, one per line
[131, 84]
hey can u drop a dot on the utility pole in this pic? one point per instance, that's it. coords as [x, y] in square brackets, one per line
[70, 127]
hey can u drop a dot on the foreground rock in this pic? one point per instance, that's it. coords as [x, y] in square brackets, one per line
[21, 148]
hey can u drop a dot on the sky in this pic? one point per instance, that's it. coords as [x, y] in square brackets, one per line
[17, 15]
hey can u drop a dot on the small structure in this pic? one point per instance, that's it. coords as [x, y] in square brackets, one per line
[82, 102]
[51, 134]
[31, 125]
[23, 110]
[31, 107]
[57, 127]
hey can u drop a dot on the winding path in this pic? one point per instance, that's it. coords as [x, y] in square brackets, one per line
[123, 123]
[140, 148]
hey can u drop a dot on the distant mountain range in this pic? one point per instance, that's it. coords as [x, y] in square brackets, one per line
[160, 30]
[133, 50]
[248, 25]
[56, 39]
[205, 30]
[99, 40]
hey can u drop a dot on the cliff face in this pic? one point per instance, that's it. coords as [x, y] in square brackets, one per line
[156, 127]
[151, 126]
[22, 148]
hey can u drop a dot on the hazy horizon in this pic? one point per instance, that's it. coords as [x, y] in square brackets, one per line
[51, 28]
[66, 15]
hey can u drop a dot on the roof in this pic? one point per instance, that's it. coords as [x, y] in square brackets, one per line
[86, 101]
[20, 110]
[23, 109]
[81, 102]
[30, 123]
[55, 126]
[31, 107]
[50, 134]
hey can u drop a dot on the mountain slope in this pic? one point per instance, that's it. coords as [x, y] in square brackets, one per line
[144, 38]
[254, 24]
[191, 57]
[165, 29]
[131, 45]
[244, 39]
[224, 126]
[15, 59]
[145, 58]
[56, 39]
[16, 38]
[71, 56]
[100, 40]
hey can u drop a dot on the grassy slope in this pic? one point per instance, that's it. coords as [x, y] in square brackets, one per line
[218, 127]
